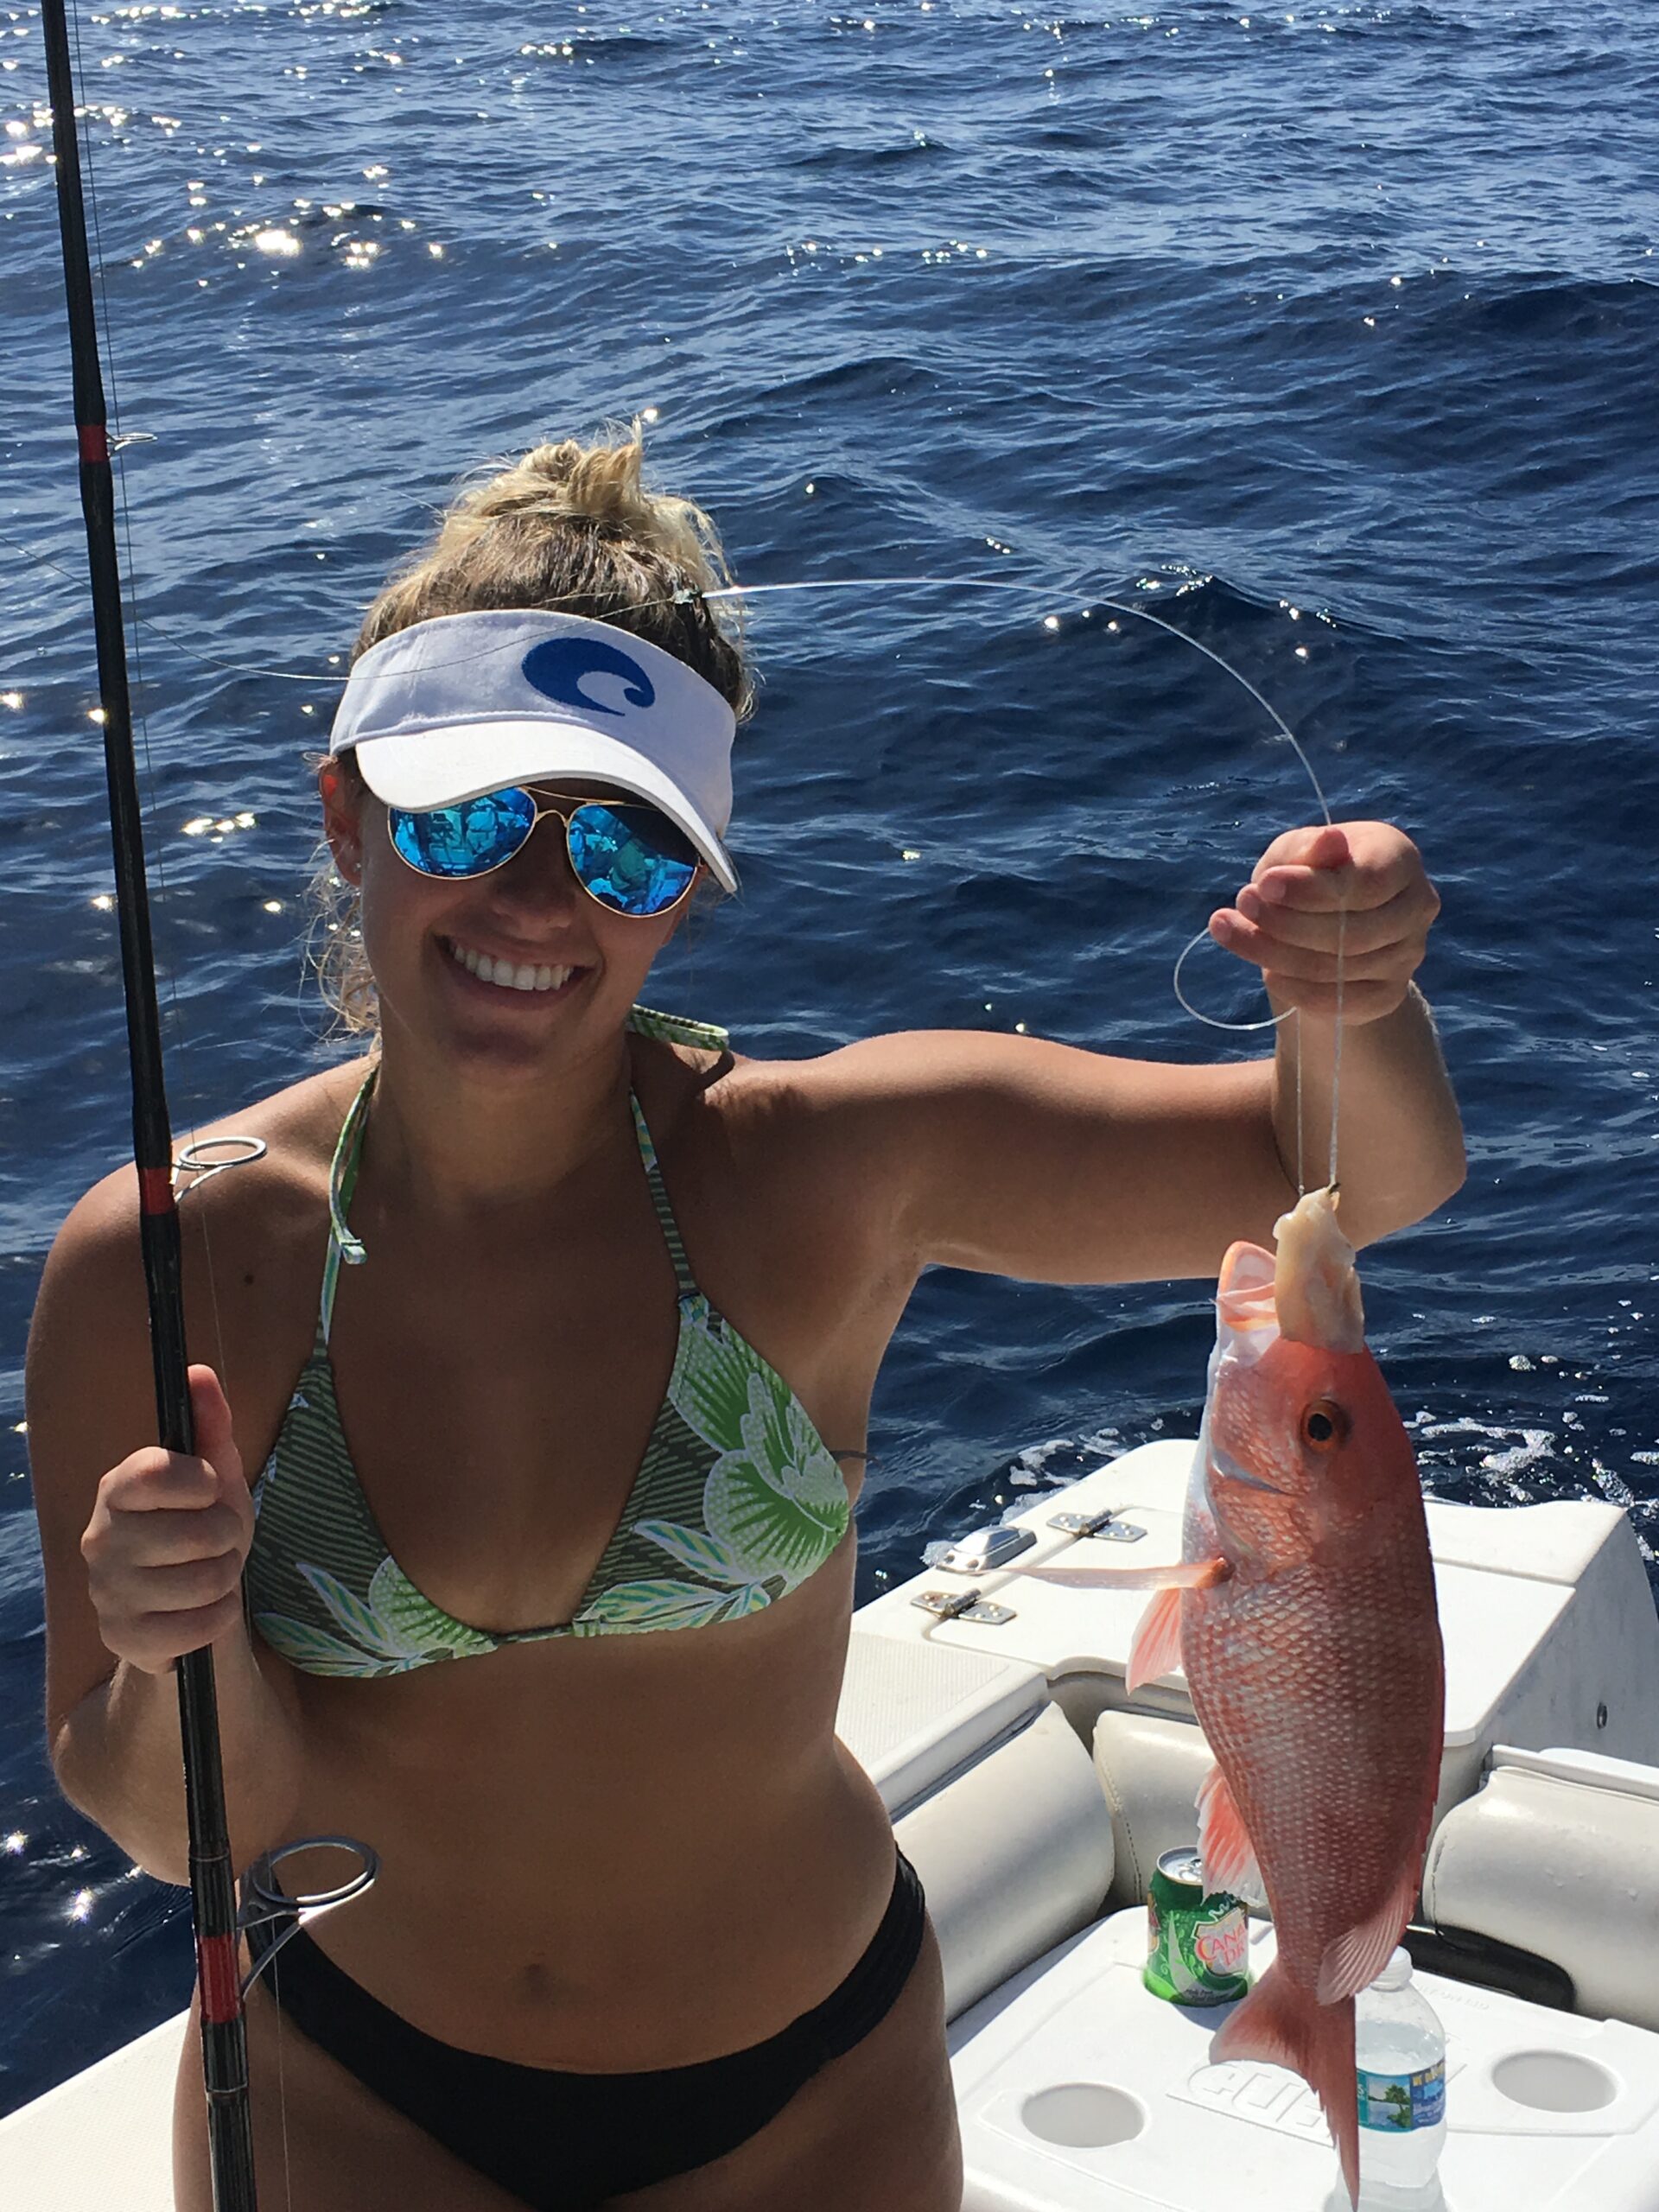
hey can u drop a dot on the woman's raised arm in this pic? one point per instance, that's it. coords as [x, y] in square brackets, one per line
[1017, 1156]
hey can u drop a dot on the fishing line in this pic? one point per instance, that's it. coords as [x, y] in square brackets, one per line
[80, 125]
[1282, 728]
[175, 639]
[1336, 1043]
[222, 2034]
[336, 679]
[282, 2081]
[213, 1904]
[1028, 588]
[118, 441]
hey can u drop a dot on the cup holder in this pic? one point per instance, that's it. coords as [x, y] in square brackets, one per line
[1554, 2081]
[1083, 2116]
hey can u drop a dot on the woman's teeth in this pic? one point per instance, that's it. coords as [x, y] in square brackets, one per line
[524, 977]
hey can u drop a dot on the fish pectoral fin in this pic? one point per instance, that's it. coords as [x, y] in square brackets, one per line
[1177, 1575]
[1224, 1843]
[1356, 1958]
[1157, 1646]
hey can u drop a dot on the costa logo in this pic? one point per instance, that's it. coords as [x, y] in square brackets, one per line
[559, 667]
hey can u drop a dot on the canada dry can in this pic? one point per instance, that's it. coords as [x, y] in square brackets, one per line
[1196, 1945]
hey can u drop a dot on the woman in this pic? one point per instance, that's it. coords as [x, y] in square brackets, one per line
[549, 1573]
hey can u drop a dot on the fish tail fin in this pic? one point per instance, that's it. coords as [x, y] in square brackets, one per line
[1286, 2025]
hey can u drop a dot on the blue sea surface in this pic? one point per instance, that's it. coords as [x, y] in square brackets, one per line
[1329, 335]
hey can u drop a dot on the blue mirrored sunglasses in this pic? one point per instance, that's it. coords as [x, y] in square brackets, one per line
[630, 858]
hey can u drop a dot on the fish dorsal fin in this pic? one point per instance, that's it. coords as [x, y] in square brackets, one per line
[1354, 1959]
[1224, 1843]
[1157, 1646]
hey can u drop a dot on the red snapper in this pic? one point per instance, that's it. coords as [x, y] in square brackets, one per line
[1303, 1616]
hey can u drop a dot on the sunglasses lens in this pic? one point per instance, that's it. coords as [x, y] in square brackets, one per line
[468, 839]
[631, 858]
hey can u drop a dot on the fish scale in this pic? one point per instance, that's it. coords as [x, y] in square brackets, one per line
[1291, 1726]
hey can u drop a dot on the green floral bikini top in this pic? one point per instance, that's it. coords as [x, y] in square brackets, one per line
[735, 1504]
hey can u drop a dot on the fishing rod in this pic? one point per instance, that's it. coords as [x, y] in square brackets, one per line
[212, 1889]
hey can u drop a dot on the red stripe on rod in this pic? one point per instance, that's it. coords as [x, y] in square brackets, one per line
[155, 1189]
[220, 1979]
[94, 443]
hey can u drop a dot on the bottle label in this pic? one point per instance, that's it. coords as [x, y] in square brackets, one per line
[1393, 2103]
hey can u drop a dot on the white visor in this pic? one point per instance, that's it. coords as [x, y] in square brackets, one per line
[463, 704]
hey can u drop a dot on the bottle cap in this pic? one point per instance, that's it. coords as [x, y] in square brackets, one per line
[1396, 1973]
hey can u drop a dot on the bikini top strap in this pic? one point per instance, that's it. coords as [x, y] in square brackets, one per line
[703, 1036]
[670, 1227]
[342, 1181]
[679, 1029]
[345, 1248]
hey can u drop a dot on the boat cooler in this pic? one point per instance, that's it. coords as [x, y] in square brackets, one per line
[1079, 2091]
[991, 1712]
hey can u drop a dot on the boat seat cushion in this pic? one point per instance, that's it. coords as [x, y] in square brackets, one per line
[1559, 1854]
[1150, 1769]
[1015, 1854]
[914, 1711]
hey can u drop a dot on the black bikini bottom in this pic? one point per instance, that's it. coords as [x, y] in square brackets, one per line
[566, 2142]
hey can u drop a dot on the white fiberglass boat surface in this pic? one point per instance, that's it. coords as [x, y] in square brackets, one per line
[1034, 1798]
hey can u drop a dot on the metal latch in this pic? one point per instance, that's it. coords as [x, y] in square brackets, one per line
[986, 1550]
[1103, 1524]
[963, 1605]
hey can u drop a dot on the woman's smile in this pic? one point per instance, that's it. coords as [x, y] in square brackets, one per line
[501, 971]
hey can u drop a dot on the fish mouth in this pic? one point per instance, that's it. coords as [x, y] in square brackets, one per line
[1247, 1313]
[1245, 1291]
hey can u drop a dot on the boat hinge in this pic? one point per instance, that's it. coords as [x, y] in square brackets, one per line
[1103, 1524]
[963, 1605]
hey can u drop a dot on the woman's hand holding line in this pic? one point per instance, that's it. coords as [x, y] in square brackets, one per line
[1359, 889]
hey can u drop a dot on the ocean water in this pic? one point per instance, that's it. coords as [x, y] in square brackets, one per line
[1328, 334]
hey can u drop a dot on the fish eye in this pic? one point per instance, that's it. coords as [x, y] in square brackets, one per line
[1324, 1425]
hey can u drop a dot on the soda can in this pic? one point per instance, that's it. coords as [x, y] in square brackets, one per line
[1197, 1951]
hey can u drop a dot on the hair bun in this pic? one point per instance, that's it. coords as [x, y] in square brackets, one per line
[602, 485]
[572, 527]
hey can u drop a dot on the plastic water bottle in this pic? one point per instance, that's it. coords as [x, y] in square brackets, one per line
[1399, 2056]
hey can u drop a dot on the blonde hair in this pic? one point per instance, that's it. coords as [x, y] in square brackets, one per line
[570, 528]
